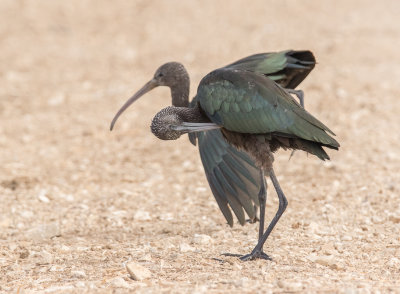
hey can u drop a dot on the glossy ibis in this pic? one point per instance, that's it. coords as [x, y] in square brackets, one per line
[254, 114]
[232, 175]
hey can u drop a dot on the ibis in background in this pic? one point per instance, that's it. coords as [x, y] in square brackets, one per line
[240, 116]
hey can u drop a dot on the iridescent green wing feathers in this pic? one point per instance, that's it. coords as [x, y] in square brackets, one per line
[222, 162]
[232, 176]
[287, 68]
[247, 102]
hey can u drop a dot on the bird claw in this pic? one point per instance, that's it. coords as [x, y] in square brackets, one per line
[291, 154]
[255, 255]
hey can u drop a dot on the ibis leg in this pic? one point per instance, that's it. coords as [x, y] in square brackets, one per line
[299, 94]
[257, 251]
[262, 198]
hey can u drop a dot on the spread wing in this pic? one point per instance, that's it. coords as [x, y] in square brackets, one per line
[232, 176]
[224, 164]
[248, 102]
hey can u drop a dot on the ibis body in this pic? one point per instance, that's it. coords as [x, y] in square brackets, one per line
[240, 116]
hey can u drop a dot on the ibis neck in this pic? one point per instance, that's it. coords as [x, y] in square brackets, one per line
[180, 92]
[190, 114]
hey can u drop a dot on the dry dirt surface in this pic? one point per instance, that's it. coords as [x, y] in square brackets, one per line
[78, 202]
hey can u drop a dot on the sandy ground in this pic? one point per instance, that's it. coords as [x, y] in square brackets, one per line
[78, 202]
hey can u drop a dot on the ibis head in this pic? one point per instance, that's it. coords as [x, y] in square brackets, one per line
[172, 75]
[172, 122]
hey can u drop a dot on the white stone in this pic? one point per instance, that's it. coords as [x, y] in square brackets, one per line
[45, 257]
[57, 99]
[68, 197]
[5, 222]
[78, 274]
[325, 260]
[58, 289]
[186, 248]
[394, 262]
[312, 257]
[328, 249]
[146, 257]
[187, 164]
[80, 284]
[42, 196]
[167, 216]
[377, 219]
[65, 248]
[202, 239]
[26, 213]
[347, 238]
[137, 272]
[44, 231]
[141, 215]
[290, 286]
[201, 189]
[119, 283]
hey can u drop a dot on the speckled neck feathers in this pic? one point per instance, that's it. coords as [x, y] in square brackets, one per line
[174, 116]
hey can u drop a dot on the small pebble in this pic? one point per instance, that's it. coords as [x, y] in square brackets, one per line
[80, 284]
[377, 219]
[347, 238]
[146, 257]
[328, 249]
[56, 99]
[137, 272]
[394, 262]
[325, 260]
[394, 219]
[78, 274]
[59, 289]
[64, 248]
[42, 196]
[119, 283]
[141, 215]
[202, 239]
[167, 216]
[44, 257]
[329, 261]
[290, 286]
[5, 222]
[24, 253]
[341, 93]
[186, 248]
[339, 247]
[42, 232]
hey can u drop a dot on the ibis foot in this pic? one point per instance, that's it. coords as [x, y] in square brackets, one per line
[258, 254]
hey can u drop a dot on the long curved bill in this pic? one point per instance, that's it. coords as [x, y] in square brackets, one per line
[188, 127]
[146, 88]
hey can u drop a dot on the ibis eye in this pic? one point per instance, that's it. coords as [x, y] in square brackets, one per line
[160, 75]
